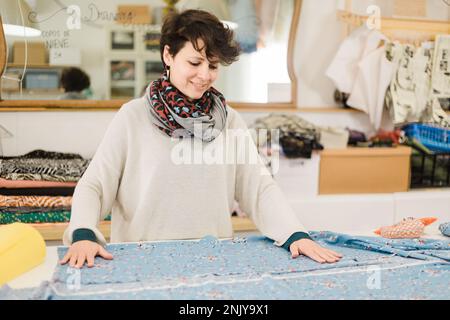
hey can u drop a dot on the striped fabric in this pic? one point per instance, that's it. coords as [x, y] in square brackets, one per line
[69, 170]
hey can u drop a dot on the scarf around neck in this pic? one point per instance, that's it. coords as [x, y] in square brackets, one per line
[173, 113]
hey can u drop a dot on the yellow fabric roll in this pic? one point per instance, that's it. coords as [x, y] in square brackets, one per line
[21, 249]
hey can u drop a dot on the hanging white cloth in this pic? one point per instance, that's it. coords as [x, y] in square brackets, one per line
[361, 69]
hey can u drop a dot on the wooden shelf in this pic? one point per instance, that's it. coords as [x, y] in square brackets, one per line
[390, 25]
[54, 231]
[36, 66]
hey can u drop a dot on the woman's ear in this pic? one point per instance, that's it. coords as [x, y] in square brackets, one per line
[167, 56]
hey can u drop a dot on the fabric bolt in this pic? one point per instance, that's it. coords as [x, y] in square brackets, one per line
[52, 191]
[42, 154]
[35, 217]
[253, 268]
[39, 216]
[180, 182]
[19, 210]
[68, 170]
[35, 201]
[4, 183]
[40, 177]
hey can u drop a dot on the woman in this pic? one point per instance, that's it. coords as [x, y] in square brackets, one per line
[143, 171]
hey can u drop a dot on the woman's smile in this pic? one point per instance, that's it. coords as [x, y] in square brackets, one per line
[199, 86]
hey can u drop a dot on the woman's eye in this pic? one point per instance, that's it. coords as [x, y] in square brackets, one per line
[194, 64]
[213, 67]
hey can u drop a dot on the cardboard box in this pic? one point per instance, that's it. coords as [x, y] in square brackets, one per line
[37, 53]
[410, 8]
[134, 14]
[364, 170]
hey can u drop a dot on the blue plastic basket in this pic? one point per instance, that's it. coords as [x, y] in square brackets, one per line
[433, 137]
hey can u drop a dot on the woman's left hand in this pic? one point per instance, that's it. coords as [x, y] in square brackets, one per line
[314, 251]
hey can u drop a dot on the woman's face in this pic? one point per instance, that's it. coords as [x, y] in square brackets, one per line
[190, 70]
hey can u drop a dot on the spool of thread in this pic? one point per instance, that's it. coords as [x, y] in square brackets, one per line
[22, 248]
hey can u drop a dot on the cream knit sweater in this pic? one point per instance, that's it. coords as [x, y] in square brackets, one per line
[159, 188]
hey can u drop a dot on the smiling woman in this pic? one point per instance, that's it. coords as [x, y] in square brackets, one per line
[89, 48]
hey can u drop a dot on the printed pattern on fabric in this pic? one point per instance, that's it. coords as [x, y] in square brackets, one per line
[44, 215]
[164, 96]
[35, 201]
[253, 268]
[20, 210]
[43, 169]
[57, 216]
[42, 154]
[44, 191]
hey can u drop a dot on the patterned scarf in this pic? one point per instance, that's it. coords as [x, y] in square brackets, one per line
[179, 117]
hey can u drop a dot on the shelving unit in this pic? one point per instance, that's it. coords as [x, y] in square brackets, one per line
[133, 63]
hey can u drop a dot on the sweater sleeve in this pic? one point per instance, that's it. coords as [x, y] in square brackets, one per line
[258, 194]
[96, 191]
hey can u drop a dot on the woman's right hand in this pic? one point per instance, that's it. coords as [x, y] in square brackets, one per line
[82, 251]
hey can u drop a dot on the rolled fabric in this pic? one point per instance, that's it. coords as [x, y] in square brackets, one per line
[36, 217]
[35, 201]
[51, 191]
[5, 183]
[22, 248]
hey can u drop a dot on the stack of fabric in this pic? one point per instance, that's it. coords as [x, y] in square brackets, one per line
[37, 187]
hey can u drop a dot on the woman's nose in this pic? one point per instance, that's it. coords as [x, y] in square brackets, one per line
[204, 73]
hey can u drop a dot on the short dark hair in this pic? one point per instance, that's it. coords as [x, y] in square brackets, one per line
[74, 79]
[192, 25]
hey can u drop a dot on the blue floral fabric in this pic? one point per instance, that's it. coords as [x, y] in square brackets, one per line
[253, 268]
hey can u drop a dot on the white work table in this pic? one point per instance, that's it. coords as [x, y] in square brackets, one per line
[44, 271]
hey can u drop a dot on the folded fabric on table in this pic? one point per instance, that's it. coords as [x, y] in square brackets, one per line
[36, 215]
[43, 169]
[35, 201]
[51, 191]
[51, 216]
[20, 210]
[16, 184]
[42, 154]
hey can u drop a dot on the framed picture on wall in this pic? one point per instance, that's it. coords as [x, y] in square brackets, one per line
[122, 40]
